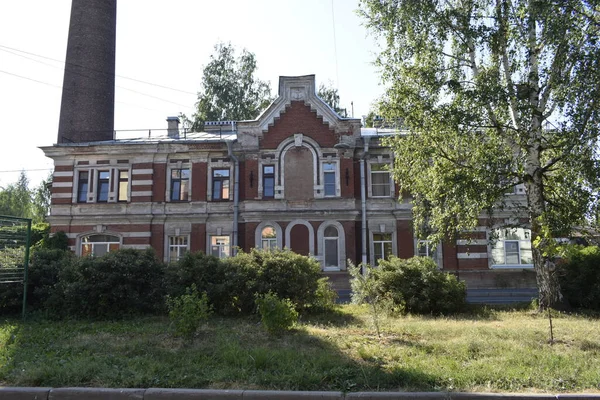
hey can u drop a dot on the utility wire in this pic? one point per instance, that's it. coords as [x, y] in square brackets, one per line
[2, 48]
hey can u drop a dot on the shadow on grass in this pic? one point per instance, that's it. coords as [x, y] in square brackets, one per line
[227, 353]
[336, 317]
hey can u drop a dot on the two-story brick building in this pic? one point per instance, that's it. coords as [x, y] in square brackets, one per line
[299, 176]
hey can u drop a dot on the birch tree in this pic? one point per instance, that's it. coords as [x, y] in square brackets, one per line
[494, 93]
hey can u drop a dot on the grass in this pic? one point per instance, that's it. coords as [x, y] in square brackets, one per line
[491, 351]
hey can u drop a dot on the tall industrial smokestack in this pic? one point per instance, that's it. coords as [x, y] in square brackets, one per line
[87, 109]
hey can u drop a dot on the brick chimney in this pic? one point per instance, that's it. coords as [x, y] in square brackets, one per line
[173, 127]
[88, 98]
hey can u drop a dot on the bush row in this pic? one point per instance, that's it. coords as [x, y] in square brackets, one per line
[133, 282]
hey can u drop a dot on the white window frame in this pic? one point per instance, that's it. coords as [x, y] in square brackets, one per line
[174, 165]
[497, 247]
[219, 165]
[438, 251]
[341, 245]
[335, 172]
[93, 172]
[81, 242]
[278, 234]
[222, 254]
[371, 172]
[374, 245]
[181, 249]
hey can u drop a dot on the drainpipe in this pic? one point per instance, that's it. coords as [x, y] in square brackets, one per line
[363, 200]
[236, 195]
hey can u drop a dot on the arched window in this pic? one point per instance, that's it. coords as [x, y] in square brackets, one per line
[330, 244]
[268, 238]
[99, 245]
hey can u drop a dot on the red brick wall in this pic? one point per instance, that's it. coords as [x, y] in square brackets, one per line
[198, 238]
[199, 181]
[449, 256]
[348, 190]
[160, 182]
[350, 231]
[246, 168]
[157, 241]
[406, 246]
[298, 118]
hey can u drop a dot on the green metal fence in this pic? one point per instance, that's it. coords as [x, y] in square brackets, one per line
[15, 240]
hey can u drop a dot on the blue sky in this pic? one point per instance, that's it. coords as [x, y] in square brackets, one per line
[166, 44]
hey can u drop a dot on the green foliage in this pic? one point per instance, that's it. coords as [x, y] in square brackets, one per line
[188, 311]
[277, 315]
[331, 96]
[413, 285]
[227, 284]
[43, 277]
[493, 94]
[418, 286]
[580, 277]
[18, 200]
[118, 284]
[230, 90]
[283, 273]
[325, 296]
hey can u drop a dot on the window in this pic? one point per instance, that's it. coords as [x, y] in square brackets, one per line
[268, 181]
[219, 246]
[82, 186]
[220, 184]
[425, 249]
[380, 180]
[511, 247]
[330, 244]
[268, 238]
[123, 187]
[99, 245]
[382, 246]
[178, 246]
[180, 183]
[329, 179]
[103, 181]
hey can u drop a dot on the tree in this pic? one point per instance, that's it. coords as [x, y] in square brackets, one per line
[40, 205]
[15, 199]
[494, 93]
[230, 91]
[331, 96]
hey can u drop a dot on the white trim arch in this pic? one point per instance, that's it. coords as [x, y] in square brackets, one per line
[341, 245]
[307, 142]
[79, 242]
[311, 234]
[258, 234]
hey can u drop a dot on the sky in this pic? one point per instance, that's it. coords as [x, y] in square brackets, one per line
[165, 44]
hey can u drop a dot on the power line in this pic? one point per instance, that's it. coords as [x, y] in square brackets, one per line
[2, 47]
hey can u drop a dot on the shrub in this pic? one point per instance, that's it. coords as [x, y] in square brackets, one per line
[325, 296]
[415, 285]
[277, 315]
[43, 276]
[283, 273]
[121, 283]
[580, 277]
[187, 312]
[227, 284]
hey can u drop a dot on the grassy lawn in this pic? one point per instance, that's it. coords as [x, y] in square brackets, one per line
[488, 351]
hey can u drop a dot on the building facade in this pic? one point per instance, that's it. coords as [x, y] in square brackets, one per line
[299, 176]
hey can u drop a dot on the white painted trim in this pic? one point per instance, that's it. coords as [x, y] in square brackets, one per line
[62, 184]
[281, 155]
[142, 171]
[472, 242]
[141, 193]
[258, 234]
[142, 182]
[511, 266]
[311, 234]
[136, 246]
[63, 173]
[341, 245]
[472, 255]
[61, 195]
